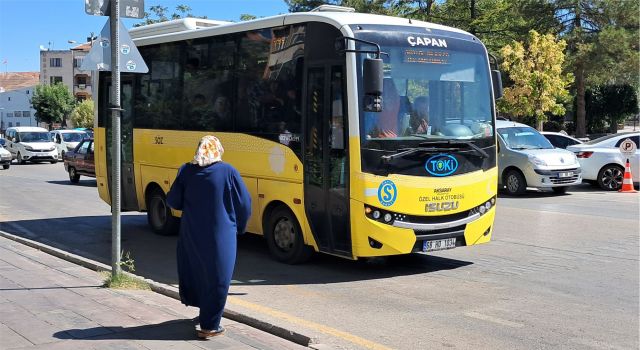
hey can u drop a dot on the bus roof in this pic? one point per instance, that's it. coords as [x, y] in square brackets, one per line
[187, 28]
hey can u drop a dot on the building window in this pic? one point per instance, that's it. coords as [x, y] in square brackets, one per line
[27, 92]
[55, 62]
[26, 114]
[54, 80]
[81, 80]
[17, 114]
[9, 98]
[9, 114]
[17, 123]
[10, 124]
[77, 62]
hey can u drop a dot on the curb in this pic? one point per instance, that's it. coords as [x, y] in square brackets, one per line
[165, 290]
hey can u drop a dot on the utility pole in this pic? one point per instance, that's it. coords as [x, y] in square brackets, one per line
[114, 20]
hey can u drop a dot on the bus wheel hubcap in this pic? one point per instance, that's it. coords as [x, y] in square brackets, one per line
[284, 234]
[160, 212]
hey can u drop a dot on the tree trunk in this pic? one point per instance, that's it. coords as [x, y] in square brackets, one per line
[540, 123]
[581, 119]
[472, 9]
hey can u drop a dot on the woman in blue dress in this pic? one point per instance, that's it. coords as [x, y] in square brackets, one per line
[215, 208]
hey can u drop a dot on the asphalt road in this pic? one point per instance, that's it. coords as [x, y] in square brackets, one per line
[561, 272]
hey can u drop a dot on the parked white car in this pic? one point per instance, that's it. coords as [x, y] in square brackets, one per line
[66, 140]
[560, 140]
[30, 143]
[603, 164]
[5, 158]
[528, 159]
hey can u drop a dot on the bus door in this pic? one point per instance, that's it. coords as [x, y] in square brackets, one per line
[326, 171]
[128, 197]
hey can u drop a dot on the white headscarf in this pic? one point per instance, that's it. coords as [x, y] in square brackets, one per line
[209, 151]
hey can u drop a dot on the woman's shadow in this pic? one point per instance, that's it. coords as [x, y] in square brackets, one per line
[182, 329]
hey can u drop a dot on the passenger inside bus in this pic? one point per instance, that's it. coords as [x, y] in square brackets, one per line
[419, 119]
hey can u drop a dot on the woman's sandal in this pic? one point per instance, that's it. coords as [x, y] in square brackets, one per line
[206, 334]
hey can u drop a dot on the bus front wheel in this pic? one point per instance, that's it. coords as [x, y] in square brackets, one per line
[159, 214]
[284, 237]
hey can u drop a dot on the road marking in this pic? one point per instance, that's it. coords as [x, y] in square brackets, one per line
[309, 324]
[558, 213]
[493, 319]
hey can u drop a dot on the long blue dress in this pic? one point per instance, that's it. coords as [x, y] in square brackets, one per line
[215, 208]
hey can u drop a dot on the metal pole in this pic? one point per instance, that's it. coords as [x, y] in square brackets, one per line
[114, 20]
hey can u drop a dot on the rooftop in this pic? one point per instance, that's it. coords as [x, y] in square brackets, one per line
[16, 80]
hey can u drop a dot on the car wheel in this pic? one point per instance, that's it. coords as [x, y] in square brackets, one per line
[6, 166]
[159, 214]
[74, 177]
[62, 155]
[610, 177]
[19, 158]
[284, 237]
[560, 190]
[515, 182]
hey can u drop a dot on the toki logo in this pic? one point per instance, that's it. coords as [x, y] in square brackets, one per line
[441, 165]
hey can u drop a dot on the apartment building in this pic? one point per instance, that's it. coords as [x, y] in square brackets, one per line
[63, 66]
[16, 90]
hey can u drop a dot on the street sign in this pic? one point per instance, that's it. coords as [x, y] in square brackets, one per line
[128, 8]
[628, 147]
[99, 57]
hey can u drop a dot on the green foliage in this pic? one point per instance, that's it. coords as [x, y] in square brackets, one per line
[52, 103]
[609, 104]
[538, 83]
[160, 13]
[247, 17]
[82, 115]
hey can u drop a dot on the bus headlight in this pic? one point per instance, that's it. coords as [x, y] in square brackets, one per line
[376, 214]
[387, 217]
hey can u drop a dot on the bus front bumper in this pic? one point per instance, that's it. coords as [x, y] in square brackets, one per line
[379, 239]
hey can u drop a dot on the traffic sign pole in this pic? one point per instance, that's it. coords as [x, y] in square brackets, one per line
[114, 23]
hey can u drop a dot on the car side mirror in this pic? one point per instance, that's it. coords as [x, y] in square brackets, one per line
[496, 80]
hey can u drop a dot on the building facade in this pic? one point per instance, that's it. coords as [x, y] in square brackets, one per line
[64, 66]
[15, 108]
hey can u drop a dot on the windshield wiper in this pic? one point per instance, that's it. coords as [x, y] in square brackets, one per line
[482, 153]
[406, 151]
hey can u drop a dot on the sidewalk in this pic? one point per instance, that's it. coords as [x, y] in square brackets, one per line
[50, 303]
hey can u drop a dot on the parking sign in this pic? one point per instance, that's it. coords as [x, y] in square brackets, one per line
[628, 147]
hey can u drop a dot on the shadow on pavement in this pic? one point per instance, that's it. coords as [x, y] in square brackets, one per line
[85, 183]
[154, 255]
[183, 329]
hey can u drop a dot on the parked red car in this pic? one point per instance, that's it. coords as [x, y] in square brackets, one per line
[80, 161]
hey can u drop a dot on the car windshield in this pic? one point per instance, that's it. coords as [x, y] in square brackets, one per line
[33, 136]
[521, 138]
[73, 136]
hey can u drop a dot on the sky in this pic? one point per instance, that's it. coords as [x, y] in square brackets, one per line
[25, 25]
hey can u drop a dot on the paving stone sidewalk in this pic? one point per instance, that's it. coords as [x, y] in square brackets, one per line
[50, 303]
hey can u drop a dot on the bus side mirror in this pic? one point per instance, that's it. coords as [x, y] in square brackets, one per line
[496, 80]
[372, 76]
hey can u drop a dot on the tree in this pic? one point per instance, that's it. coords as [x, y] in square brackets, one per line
[52, 103]
[538, 82]
[161, 14]
[603, 45]
[610, 103]
[82, 115]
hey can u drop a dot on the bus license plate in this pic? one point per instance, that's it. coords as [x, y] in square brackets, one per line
[566, 174]
[440, 244]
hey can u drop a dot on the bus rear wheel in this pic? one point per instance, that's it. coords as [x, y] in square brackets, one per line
[284, 237]
[159, 214]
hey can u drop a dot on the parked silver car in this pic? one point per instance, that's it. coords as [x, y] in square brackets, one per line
[528, 159]
[603, 164]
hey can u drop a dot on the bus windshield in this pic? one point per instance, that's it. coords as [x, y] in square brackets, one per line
[431, 94]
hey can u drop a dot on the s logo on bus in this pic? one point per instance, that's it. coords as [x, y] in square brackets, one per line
[387, 193]
[441, 165]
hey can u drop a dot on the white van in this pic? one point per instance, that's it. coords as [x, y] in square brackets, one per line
[30, 143]
[66, 140]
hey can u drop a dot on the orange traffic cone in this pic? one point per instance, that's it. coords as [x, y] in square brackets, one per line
[627, 182]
